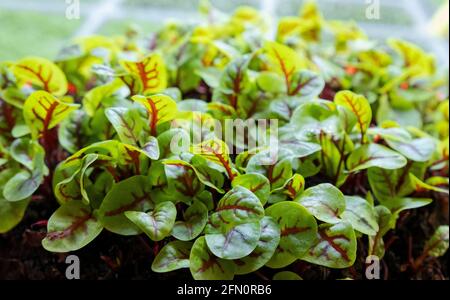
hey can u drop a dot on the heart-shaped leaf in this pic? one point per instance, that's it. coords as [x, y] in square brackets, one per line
[238, 206]
[129, 194]
[360, 214]
[195, 219]
[71, 227]
[256, 183]
[232, 241]
[265, 248]
[335, 246]
[205, 266]
[11, 213]
[298, 230]
[158, 223]
[324, 201]
[173, 256]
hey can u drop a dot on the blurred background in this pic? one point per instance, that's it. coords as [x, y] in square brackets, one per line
[30, 27]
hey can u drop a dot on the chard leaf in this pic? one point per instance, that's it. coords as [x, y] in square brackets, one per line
[205, 266]
[324, 201]
[335, 246]
[127, 123]
[22, 185]
[150, 73]
[71, 227]
[217, 152]
[43, 111]
[286, 275]
[384, 220]
[389, 184]
[298, 230]
[256, 183]
[173, 256]
[437, 245]
[195, 219]
[11, 213]
[306, 84]
[238, 206]
[129, 194]
[42, 74]
[361, 215]
[360, 107]
[160, 108]
[151, 148]
[265, 248]
[374, 155]
[158, 223]
[232, 241]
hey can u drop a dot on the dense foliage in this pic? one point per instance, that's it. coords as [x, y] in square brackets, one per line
[362, 136]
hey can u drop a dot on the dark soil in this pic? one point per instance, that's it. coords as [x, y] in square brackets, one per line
[112, 256]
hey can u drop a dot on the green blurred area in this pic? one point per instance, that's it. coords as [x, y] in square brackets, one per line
[33, 33]
[43, 32]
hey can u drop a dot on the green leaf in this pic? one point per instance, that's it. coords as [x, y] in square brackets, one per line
[374, 155]
[127, 123]
[173, 256]
[238, 206]
[294, 186]
[437, 245]
[306, 84]
[361, 215]
[217, 152]
[398, 205]
[256, 183]
[298, 230]
[232, 241]
[313, 117]
[205, 266]
[416, 149]
[129, 194]
[389, 184]
[265, 248]
[11, 213]
[195, 219]
[158, 223]
[71, 227]
[286, 275]
[335, 246]
[324, 201]
[384, 220]
[277, 173]
[24, 150]
[22, 185]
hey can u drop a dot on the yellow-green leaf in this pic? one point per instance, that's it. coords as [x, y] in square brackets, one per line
[359, 105]
[160, 108]
[151, 72]
[42, 74]
[43, 111]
